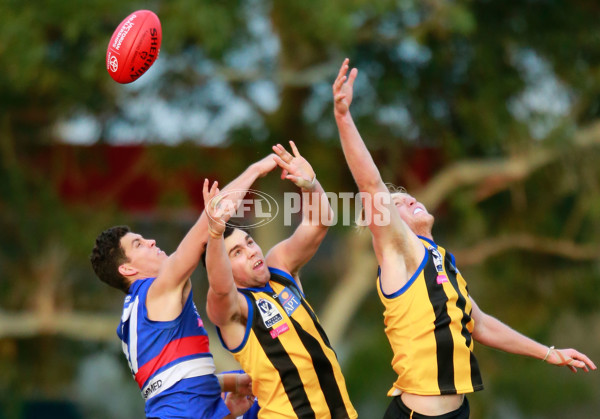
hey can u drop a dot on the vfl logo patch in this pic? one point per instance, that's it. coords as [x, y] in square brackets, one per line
[438, 261]
[288, 300]
[268, 312]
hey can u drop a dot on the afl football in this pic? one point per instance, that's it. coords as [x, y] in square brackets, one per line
[134, 46]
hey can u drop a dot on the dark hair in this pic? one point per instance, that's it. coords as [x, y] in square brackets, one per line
[107, 255]
[230, 227]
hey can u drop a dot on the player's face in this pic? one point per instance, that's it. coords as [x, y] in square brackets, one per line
[143, 254]
[413, 213]
[247, 261]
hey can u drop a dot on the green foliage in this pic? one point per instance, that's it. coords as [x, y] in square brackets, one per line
[211, 25]
[536, 390]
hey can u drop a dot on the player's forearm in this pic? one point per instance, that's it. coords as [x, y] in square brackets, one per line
[498, 335]
[221, 304]
[191, 247]
[316, 210]
[245, 180]
[218, 267]
[359, 159]
[187, 256]
[228, 382]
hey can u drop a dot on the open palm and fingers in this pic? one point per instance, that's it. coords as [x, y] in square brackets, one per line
[296, 168]
[343, 88]
[218, 208]
[570, 358]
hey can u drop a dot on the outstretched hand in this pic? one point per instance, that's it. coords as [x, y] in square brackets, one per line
[343, 89]
[218, 209]
[570, 358]
[295, 167]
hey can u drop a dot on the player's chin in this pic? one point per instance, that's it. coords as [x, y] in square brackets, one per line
[421, 220]
[428, 219]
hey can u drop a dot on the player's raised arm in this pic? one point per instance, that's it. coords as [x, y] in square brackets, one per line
[291, 254]
[185, 259]
[224, 304]
[360, 162]
[390, 233]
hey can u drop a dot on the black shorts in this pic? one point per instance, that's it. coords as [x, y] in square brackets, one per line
[398, 410]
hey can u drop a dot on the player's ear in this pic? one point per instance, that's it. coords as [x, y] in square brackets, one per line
[127, 270]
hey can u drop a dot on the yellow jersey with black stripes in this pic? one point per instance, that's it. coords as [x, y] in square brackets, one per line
[429, 326]
[295, 372]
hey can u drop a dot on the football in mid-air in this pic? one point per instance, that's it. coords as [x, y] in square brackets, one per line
[134, 46]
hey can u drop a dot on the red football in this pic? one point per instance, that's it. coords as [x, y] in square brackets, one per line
[134, 46]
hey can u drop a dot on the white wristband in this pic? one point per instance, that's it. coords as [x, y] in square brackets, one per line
[550, 349]
[304, 184]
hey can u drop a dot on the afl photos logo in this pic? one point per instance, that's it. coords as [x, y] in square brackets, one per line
[113, 63]
[258, 206]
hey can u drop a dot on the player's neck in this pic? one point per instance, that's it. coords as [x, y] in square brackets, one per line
[424, 232]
